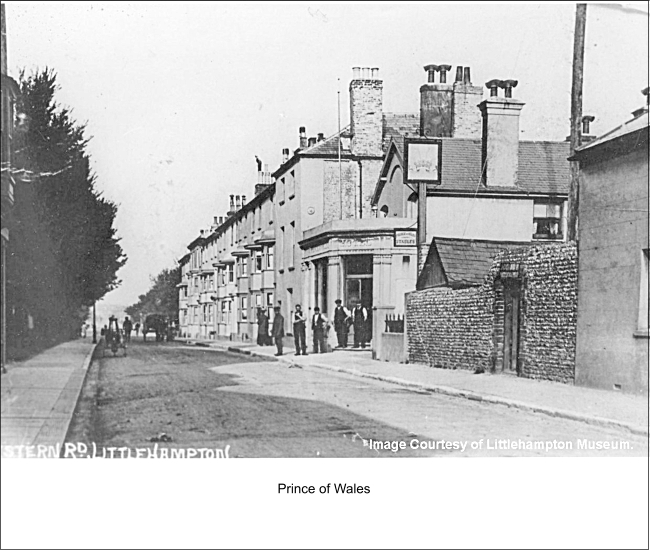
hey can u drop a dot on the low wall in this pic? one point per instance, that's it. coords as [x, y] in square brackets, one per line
[464, 329]
[549, 311]
[390, 347]
[450, 329]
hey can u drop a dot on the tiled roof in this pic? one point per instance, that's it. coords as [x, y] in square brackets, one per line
[329, 146]
[638, 123]
[467, 262]
[393, 125]
[397, 125]
[543, 167]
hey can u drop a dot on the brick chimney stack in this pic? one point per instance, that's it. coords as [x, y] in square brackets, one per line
[465, 114]
[500, 134]
[302, 134]
[366, 112]
[435, 103]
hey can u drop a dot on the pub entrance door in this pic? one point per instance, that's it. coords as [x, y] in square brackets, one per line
[358, 285]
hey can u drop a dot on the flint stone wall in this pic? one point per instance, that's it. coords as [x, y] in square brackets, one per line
[463, 329]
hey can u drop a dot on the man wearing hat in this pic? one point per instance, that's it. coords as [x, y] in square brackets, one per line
[342, 321]
[319, 326]
[277, 331]
[299, 338]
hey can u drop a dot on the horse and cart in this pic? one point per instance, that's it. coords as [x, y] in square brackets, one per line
[113, 338]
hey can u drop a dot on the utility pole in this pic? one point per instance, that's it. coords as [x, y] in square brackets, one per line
[576, 115]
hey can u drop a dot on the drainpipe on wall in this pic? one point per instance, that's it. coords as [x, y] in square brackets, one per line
[360, 189]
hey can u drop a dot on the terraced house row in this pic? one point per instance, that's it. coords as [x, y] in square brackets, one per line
[396, 205]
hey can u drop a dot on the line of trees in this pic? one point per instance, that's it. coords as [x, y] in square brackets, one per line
[64, 252]
[161, 298]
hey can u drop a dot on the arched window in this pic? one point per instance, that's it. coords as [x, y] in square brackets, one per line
[383, 211]
[412, 206]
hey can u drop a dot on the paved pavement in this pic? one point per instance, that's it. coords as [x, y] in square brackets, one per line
[592, 406]
[39, 396]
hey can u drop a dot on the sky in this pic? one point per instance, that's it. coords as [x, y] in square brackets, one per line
[179, 97]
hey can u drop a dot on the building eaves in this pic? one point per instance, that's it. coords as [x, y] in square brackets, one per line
[622, 140]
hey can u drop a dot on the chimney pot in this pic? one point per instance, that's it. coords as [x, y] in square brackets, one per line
[646, 93]
[508, 85]
[321, 136]
[459, 74]
[312, 142]
[232, 199]
[467, 79]
[375, 73]
[216, 220]
[285, 155]
[443, 73]
[586, 121]
[356, 73]
[431, 71]
[243, 200]
[493, 85]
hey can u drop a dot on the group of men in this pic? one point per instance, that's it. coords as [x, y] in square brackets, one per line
[343, 320]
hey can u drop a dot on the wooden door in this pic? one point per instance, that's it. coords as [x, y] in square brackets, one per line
[512, 321]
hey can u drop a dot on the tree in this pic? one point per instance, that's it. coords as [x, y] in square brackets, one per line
[64, 250]
[161, 298]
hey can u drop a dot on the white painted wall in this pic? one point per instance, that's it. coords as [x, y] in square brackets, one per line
[480, 218]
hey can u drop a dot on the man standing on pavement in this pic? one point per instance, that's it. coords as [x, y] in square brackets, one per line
[359, 320]
[342, 322]
[277, 331]
[299, 324]
[127, 327]
[319, 326]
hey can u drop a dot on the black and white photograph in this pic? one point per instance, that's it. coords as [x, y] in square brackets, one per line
[312, 231]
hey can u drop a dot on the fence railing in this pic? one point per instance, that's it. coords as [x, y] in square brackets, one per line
[394, 323]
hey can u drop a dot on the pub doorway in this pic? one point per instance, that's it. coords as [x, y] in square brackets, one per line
[358, 285]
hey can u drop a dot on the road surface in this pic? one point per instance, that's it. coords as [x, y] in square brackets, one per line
[177, 396]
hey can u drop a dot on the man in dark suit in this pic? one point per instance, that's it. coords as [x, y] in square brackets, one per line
[319, 326]
[277, 331]
[360, 320]
[342, 321]
[299, 324]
